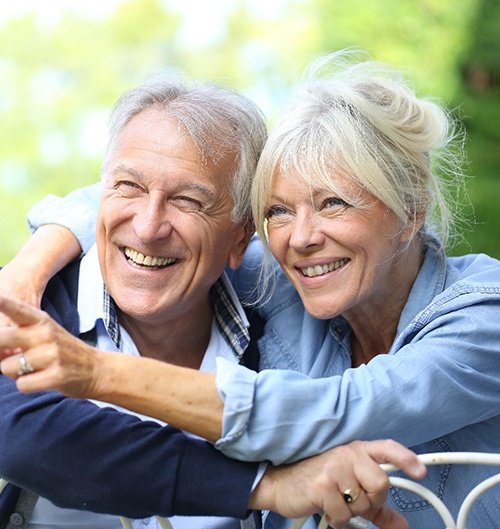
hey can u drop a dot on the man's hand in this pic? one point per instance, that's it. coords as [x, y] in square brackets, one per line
[318, 484]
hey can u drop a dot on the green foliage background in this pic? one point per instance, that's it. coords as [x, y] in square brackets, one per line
[59, 78]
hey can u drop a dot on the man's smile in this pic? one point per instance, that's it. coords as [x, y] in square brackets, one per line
[149, 261]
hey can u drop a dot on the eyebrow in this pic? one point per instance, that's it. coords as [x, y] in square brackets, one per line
[121, 168]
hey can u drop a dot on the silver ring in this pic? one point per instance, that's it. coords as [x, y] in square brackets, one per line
[26, 367]
[351, 495]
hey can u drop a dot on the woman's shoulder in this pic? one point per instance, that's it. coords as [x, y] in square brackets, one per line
[474, 270]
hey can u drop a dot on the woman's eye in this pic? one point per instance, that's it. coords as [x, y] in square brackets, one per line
[275, 210]
[332, 202]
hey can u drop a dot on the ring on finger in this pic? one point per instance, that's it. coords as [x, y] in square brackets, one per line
[351, 495]
[25, 368]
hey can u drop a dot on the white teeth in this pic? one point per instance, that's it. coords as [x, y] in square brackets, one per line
[313, 271]
[147, 260]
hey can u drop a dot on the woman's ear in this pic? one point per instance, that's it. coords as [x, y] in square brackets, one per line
[413, 227]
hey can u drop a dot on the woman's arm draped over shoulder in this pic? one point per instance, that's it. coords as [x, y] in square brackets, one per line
[57, 222]
[46, 252]
[77, 212]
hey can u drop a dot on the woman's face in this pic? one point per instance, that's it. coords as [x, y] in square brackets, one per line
[339, 256]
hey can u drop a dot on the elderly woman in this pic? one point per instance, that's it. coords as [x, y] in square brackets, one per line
[371, 331]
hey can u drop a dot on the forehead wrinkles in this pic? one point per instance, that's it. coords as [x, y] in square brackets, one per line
[208, 152]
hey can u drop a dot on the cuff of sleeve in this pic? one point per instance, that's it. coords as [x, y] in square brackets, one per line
[236, 387]
[260, 474]
[230, 483]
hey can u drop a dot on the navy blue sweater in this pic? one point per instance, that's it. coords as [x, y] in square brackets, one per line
[81, 456]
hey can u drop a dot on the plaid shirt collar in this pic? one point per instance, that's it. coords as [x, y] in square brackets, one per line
[229, 317]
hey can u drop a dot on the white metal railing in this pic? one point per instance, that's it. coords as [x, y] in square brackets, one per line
[439, 458]
[164, 523]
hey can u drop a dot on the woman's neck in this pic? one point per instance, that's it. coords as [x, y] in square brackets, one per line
[374, 324]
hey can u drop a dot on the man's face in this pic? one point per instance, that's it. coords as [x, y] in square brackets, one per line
[164, 231]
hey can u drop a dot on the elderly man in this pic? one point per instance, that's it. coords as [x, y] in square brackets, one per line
[174, 213]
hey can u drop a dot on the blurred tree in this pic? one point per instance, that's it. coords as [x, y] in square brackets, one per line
[426, 39]
[480, 98]
[58, 81]
[59, 78]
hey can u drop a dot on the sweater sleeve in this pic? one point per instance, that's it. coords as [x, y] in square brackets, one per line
[81, 456]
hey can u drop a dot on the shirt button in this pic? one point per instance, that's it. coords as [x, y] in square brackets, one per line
[16, 519]
[337, 332]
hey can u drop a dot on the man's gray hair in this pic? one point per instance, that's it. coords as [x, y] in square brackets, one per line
[221, 122]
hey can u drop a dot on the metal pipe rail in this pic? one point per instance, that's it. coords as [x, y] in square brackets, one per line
[440, 458]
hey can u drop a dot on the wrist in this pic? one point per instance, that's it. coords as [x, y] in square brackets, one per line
[263, 495]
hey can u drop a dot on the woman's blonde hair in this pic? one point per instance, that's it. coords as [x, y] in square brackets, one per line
[362, 121]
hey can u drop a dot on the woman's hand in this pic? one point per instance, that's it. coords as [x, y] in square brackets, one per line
[16, 284]
[319, 484]
[52, 357]
[48, 250]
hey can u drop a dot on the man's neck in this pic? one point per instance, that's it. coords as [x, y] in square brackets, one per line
[182, 341]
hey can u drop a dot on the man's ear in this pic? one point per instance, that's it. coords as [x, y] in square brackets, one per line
[243, 234]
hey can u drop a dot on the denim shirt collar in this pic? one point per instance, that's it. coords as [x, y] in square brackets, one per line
[430, 281]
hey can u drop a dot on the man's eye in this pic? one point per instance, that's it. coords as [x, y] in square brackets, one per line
[126, 184]
[275, 210]
[127, 188]
[189, 202]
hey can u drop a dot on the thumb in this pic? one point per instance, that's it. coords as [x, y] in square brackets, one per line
[387, 518]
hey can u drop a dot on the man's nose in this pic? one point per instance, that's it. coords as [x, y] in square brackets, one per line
[306, 232]
[153, 221]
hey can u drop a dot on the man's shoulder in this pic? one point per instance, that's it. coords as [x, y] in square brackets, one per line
[61, 295]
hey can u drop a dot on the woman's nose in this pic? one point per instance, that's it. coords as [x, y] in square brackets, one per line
[306, 232]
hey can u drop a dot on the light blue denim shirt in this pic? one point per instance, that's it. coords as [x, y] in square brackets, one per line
[437, 390]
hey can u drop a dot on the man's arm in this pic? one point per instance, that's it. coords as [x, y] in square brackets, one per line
[318, 484]
[81, 456]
